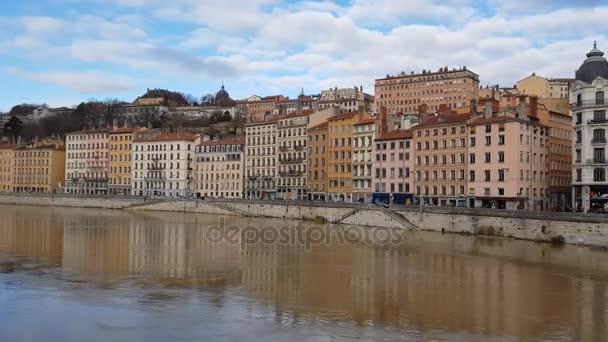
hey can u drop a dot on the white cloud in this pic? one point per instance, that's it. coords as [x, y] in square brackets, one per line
[85, 82]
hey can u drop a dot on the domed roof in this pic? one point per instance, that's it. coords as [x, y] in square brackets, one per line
[594, 66]
[222, 94]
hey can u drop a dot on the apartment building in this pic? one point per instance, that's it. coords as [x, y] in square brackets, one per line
[259, 108]
[364, 133]
[120, 157]
[7, 157]
[554, 88]
[346, 99]
[404, 93]
[440, 159]
[261, 159]
[162, 164]
[300, 104]
[39, 167]
[86, 162]
[588, 108]
[318, 147]
[340, 155]
[220, 168]
[392, 162]
[508, 161]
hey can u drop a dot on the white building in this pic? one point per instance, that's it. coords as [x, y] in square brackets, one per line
[162, 164]
[261, 159]
[588, 110]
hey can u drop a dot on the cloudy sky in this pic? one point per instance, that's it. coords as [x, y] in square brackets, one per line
[65, 51]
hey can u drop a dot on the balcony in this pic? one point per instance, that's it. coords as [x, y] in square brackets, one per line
[283, 148]
[597, 121]
[596, 161]
[290, 160]
[591, 103]
[299, 147]
[252, 178]
[292, 173]
[598, 141]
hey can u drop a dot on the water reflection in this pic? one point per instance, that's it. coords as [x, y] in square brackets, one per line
[451, 284]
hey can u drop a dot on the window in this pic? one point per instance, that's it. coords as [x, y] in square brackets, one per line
[472, 144]
[488, 157]
[501, 175]
[599, 98]
[599, 136]
[488, 128]
[599, 175]
[501, 157]
[599, 116]
[501, 191]
[501, 139]
[579, 137]
[579, 118]
[487, 174]
[579, 175]
[599, 155]
[472, 176]
[488, 141]
[472, 158]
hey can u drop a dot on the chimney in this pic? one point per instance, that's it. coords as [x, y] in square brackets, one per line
[383, 120]
[487, 109]
[534, 106]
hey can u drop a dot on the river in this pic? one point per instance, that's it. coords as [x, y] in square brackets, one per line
[70, 274]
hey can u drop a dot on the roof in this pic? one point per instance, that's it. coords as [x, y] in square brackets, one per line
[594, 66]
[346, 115]
[123, 130]
[295, 115]
[493, 119]
[264, 122]
[167, 137]
[41, 147]
[234, 140]
[93, 131]
[396, 134]
[322, 125]
[7, 146]
[444, 119]
[365, 121]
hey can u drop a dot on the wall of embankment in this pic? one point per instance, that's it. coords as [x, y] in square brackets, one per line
[573, 228]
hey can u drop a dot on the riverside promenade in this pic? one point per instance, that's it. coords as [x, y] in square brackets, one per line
[571, 228]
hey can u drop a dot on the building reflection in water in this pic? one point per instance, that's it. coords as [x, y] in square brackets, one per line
[429, 282]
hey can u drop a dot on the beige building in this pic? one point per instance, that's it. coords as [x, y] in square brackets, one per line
[346, 99]
[261, 159]
[259, 108]
[393, 162]
[404, 93]
[86, 162]
[220, 168]
[440, 159]
[508, 161]
[39, 167]
[162, 164]
[317, 161]
[292, 139]
[364, 133]
[120, 155]
[7, 157]
[534, 85]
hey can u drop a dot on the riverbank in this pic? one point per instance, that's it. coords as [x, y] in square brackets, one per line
[571, 228]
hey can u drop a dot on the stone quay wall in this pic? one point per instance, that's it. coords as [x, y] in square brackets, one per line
[572, 228]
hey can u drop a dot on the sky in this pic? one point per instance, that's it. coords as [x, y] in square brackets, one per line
[63, 52]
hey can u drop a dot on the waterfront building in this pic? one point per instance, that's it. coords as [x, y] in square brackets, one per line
[261, 159]
[292, 139]
[340, 152]
[508, 160]
[588, 108]
[220, 168]
[392, 162]
[39, 167]
[162, 164]
[404, 93]
[7, 157]
[364, 133]
[120, 155]
[346, 99]
[86, 162]
[440, 158]
[317, 161]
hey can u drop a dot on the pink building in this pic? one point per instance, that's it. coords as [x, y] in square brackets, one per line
[508, 162]
[392, 162]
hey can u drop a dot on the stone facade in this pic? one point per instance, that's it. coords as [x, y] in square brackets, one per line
[393, 162]
[261, 159]
[86, 162]
[39, 167]
[318, 144]
[219, 168]
[364, 133]
[7, 157]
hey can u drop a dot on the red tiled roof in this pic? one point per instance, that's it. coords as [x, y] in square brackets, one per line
[321, 125]
[343, 116]
[235, 140]
[365, 121]
[123, 130]
[7, 146]
[444, 119]
[396, 134]
[95, 131]
[167, 137]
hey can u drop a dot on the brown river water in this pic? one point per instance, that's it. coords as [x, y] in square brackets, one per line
[101, 275]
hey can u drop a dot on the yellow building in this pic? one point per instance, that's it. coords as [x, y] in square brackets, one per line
[121, 140]
[38, 168]
[317, 162]
[6, 167]
[341, 155]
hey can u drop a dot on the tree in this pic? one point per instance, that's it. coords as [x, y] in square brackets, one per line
[208, 99]
[13, 126]
[192, 101]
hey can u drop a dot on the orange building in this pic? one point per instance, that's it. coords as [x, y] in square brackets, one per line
[7, 157]
[404, 93]
[340, 158]
[318, 143]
